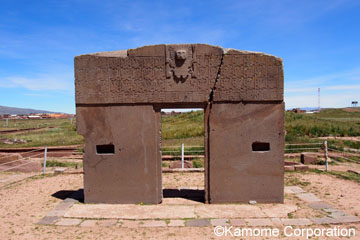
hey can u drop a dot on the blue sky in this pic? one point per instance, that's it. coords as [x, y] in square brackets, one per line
[319, 42]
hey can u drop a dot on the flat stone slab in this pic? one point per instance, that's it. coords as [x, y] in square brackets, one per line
[198, 223]
[237, 222]
[257, 222]
[131, 211]
[308, 197]
[89, 223]
[48, 220]
[129, 224]
[154, 223]
[228, 211]
[107, 222]
[293, 189]
[219, 222]
[338, 220]
[347, 219]
[319, 205]
[296, 221]
[68, 222]
[177, 201]
[277, 222]
[324, 220]
[279, 210]
[176, 223]
[64, 205]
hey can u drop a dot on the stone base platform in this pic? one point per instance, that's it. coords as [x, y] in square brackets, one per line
[180, 212]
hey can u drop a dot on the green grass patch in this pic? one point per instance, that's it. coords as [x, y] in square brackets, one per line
[329, 122]
[198, 163]
[54, 163]
[62, 133]
[292, 180]
[184, 125]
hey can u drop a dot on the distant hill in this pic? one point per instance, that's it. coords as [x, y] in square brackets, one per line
[12, 110]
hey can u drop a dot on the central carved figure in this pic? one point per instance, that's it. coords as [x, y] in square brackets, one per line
[180, 55]
[180, 62]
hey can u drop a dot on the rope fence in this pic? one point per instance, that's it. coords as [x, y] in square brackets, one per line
[43, 153]
[40, 149]
[21, 159]
[193, 151]
[4, 170]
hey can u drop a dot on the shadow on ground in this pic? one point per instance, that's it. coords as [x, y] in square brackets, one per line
[190, 194]
[73, 194]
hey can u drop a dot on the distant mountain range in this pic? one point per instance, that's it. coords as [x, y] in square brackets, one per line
[18, 111]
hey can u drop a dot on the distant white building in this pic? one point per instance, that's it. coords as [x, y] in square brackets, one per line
[34, 117]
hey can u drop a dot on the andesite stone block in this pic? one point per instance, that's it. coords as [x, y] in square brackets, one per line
[119, 96]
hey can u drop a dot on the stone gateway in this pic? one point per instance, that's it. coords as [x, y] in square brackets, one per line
[119, 97]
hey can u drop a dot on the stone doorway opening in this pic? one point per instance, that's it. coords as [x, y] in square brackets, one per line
[183, 152]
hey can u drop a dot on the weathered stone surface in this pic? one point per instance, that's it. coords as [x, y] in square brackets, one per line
[250, 76]
[237, 222]
[319, 205]
[129, 224]
[294, 189]
[56, 213]
[228, 211]
[239, 172]
[118, 100]
[131, 211]
[107, 222]
[324, 220]
[134, 167]
[153, 223]
[308, 197]
[347, 219]
[308, 158]
[198, 223]
[277, 222]
[171, 211]
[296, 221]
[48, 220]
[68, 222]
[279, 210]
[219, 222]
[257, 222]
[64, 205]
[89, 223]
[176, 223]
[148, 75]
[159, 73]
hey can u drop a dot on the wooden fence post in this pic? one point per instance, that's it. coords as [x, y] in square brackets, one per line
[326, 155]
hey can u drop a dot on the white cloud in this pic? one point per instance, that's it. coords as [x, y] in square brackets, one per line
[62, 82]
[325, 82]
[327, 100]
[343, 87]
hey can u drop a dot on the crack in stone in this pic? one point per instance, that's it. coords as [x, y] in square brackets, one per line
[207, 115]
[211, 96]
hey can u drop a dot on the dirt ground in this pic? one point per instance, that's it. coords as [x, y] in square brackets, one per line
[24, 203]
